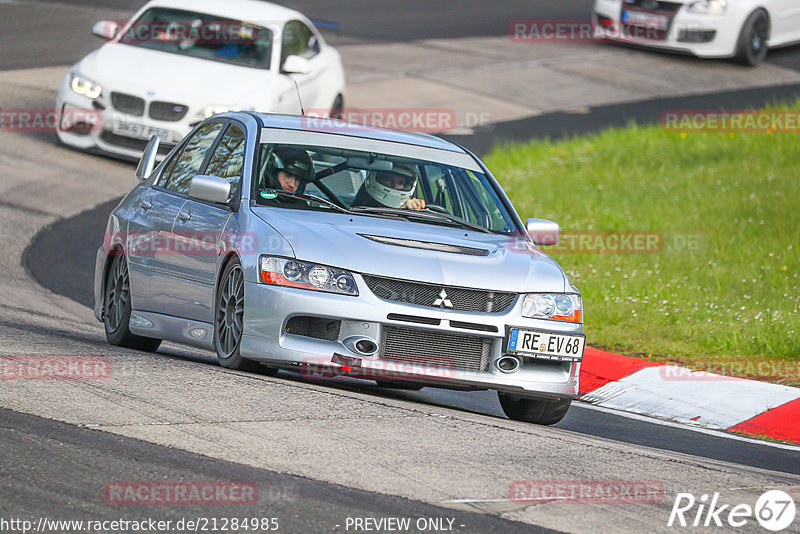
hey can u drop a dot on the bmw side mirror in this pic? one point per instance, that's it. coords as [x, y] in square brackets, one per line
[148, 160]
[542, 231]
[106, 29]
[296, 65]
[210, 188]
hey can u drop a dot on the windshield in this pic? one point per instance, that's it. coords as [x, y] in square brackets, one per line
[201, 36]
[379, 185]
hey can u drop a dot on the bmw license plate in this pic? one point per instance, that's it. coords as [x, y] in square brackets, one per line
[546, 345]
[647, 20]
[140, 131]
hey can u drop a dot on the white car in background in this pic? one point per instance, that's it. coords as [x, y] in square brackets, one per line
[743, 29]
[177, 62]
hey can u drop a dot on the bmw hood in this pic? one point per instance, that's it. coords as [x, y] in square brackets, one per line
[416, 251]
[173, 77]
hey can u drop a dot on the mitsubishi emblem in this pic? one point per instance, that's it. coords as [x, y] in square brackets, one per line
[443, 301]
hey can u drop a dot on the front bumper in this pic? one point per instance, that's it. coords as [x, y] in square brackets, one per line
[268, 310]
[706, 36]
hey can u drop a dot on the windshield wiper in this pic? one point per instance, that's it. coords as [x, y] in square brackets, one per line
[422, 214]
[308, 196]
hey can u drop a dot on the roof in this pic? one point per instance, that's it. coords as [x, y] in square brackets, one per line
[252, 11]
[351, 129]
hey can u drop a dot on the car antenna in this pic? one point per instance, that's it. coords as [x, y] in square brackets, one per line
[297, 89]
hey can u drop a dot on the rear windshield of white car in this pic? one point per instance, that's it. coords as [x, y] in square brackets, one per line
[201, 36]
[452, 196]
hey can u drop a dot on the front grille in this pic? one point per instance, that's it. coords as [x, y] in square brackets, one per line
[131, 143]
[430, 295]
[653, 6]
[130, 104]
[316, 327]
[644, 33]
[167, 111]
[435, 349]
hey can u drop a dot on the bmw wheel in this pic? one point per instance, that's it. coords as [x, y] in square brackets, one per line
[752, 45]
[117, 309]
[229, 321]
[533, 410]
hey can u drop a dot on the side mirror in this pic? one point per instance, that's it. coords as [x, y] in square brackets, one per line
[296, 65]
[210, 188]
[106, 29]
[542, 231]
[148, 160]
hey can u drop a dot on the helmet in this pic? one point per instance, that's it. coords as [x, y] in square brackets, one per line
[293, 161]
[380, 186]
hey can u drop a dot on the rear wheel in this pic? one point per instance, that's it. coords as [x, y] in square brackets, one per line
[533, 410]
[117, 309]
[337, 108]
[229, 321]
[751, 48]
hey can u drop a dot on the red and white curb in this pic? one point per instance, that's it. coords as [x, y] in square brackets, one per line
[691, 397]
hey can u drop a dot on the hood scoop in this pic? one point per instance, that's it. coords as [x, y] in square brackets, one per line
[426, 245]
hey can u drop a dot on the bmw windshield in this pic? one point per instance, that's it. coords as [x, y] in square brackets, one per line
[380, 185]
[201, 36]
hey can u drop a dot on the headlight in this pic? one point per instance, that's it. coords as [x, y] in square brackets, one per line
[559, 307]
[708, 7]
[84, 87]
[294, 273]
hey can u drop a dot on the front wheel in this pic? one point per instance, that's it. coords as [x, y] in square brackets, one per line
[229, 321]
[117, 309]
[533, 410]
[751, 49]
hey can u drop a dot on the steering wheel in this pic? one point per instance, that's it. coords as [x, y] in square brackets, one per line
[437, 207]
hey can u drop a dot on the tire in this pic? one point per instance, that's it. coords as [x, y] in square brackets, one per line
[337, 107]
[117, 309]
[751, 48]
[229, 321]
[533, 410]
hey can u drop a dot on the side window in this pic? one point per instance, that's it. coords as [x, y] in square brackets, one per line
[228, 158]
[298, 40]
[192, 157]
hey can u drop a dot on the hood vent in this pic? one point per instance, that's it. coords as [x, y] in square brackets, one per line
[427, 245]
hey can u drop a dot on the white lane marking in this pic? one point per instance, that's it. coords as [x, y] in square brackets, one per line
[710, 432]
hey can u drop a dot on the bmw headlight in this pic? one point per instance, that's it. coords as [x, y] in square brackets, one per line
[708, 7]
[559, 307]
[294, 273]
[84, 87]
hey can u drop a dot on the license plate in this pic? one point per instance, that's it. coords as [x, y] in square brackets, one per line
[647, 20]
[546, 345]
[140, 131]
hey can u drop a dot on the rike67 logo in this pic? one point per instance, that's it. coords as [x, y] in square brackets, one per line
[774, 510]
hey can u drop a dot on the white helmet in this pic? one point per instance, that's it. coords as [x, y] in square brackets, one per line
[392, 197]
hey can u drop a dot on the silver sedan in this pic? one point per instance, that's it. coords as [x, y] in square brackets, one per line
[330, 249]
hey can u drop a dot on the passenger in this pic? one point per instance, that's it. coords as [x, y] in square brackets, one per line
[390, 189]
[290, 170]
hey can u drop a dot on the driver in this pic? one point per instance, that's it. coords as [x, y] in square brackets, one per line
[390, 189]
[290, 169]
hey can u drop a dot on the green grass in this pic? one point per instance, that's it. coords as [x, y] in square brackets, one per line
[735, 297]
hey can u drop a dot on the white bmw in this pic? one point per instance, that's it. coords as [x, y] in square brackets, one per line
[177, 62]
[743, 29]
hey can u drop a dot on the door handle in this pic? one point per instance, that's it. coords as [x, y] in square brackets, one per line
[184, 216]
[145, 205]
